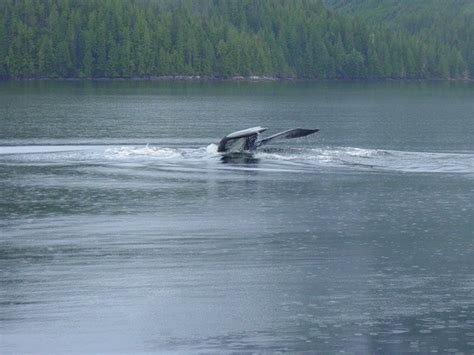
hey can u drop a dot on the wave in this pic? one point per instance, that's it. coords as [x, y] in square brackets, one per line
[379, 159]
[353, 158]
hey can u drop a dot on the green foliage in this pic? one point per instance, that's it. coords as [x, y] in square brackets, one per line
[450, 22]
[224, 38]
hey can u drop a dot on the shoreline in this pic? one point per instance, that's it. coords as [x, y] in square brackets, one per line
[237, 78]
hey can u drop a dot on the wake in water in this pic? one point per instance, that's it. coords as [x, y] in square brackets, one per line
[297, 158]
[165, 153]
[379, 159]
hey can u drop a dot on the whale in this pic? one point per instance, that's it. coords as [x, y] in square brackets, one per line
[249, 140]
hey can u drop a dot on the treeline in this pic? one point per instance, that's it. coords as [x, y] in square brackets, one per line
[447, 21]
[222, 38]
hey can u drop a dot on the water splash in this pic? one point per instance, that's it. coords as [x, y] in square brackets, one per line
[353, 158]
[158, 152]
[377, 159]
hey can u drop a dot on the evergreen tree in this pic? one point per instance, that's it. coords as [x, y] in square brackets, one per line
[45, 58]
[298, 38]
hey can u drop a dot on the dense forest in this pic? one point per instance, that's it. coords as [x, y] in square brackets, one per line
[218, 38]
[445, 21]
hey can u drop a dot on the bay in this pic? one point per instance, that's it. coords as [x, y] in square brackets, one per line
[122, 229]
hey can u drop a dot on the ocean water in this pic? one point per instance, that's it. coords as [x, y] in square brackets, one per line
[123, 229]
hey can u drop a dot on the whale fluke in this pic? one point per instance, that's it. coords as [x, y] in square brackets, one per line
[247, 140]
[244, 140]
[291, 133]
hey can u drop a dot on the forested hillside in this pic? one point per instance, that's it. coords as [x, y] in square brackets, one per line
[445, 21]
[221, 38]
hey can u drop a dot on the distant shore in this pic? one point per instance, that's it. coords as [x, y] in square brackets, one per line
[237, 78]
[157, 78]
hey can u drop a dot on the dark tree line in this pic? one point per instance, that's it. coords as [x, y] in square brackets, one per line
[297, 38]
[446, 21]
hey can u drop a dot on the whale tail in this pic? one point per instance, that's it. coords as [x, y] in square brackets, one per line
[291, 133]
[247, 139]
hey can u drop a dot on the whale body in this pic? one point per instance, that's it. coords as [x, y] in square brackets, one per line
[248, 140]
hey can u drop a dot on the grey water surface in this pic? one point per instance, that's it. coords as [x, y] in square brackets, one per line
[122, 229]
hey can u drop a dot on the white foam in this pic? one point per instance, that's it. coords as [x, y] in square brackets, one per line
[212, 149]
[147, 151]
[362, 153]
[354, 158]
[165, 153]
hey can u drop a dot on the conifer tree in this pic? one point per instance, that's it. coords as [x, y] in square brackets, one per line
[114, 38]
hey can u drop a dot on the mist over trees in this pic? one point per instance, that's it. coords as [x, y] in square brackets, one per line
[221, 38]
